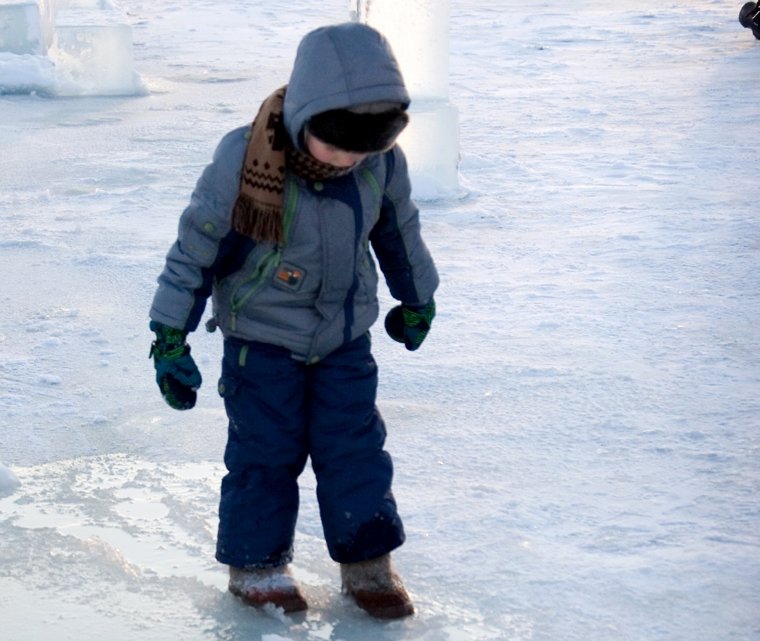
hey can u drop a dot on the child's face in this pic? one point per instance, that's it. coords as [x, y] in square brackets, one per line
[332, 155]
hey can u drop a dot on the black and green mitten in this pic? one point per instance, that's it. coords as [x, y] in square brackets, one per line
[177, 374]
[410, 324]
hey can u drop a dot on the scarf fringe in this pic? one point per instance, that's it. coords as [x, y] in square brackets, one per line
[261, 222]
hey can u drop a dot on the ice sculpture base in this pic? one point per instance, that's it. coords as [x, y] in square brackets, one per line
[431, 145]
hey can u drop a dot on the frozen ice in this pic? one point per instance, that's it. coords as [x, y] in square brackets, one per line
[431, 145]
[8, 481]
[26, 26]
[21, 30]
[93, 49]
[88, 42]
[94, 58]
[418, 34]
[23, 74]
[575, 445]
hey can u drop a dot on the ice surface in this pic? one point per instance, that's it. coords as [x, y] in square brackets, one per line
[575, 444]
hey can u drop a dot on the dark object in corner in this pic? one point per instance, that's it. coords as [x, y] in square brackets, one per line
[749, 17]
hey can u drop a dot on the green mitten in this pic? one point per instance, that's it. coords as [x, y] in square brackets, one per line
[410, 324]
[177, 374]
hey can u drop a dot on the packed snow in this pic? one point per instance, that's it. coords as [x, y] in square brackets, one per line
[575, 444]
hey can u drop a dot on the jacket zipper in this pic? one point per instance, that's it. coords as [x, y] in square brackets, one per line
[267, 262]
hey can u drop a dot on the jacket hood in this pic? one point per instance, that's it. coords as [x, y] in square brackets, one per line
[340, 67]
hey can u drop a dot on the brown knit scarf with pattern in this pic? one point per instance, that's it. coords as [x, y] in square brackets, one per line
[258, 209]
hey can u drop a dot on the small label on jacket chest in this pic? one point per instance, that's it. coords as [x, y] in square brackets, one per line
[289, 276]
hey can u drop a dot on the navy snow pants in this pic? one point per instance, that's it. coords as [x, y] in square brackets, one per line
[281, 411]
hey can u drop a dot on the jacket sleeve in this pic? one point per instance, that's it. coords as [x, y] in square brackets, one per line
[396, 240]
[203, 239]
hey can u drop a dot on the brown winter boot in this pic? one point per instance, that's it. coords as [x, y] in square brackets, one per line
[259, 587]
[376, 588]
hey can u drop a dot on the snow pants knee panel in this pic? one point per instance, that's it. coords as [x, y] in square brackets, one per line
[281, 411]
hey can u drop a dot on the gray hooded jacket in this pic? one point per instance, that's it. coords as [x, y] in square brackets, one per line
[318, 289]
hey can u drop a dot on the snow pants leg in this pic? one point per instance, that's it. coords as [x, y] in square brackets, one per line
[281, 411]
[353, 471]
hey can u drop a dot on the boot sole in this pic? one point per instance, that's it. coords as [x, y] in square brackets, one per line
[383, 605]
[287, 600]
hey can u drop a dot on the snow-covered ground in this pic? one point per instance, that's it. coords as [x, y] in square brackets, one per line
[576, 445]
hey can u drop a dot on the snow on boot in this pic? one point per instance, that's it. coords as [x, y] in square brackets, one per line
[376, 588]
[275, 586]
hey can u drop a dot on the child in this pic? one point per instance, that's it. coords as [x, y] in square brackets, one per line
[278, 231]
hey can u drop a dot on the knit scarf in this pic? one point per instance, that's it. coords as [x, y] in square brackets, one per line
[258, 209]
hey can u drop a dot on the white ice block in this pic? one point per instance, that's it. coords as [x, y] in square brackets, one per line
[21, 28]
[418, 33]
[431, 145]
[93, 51]
[47, 19]
[86, 43]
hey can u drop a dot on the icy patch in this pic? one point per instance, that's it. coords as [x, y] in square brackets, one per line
[8, 481]
[113, 535]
